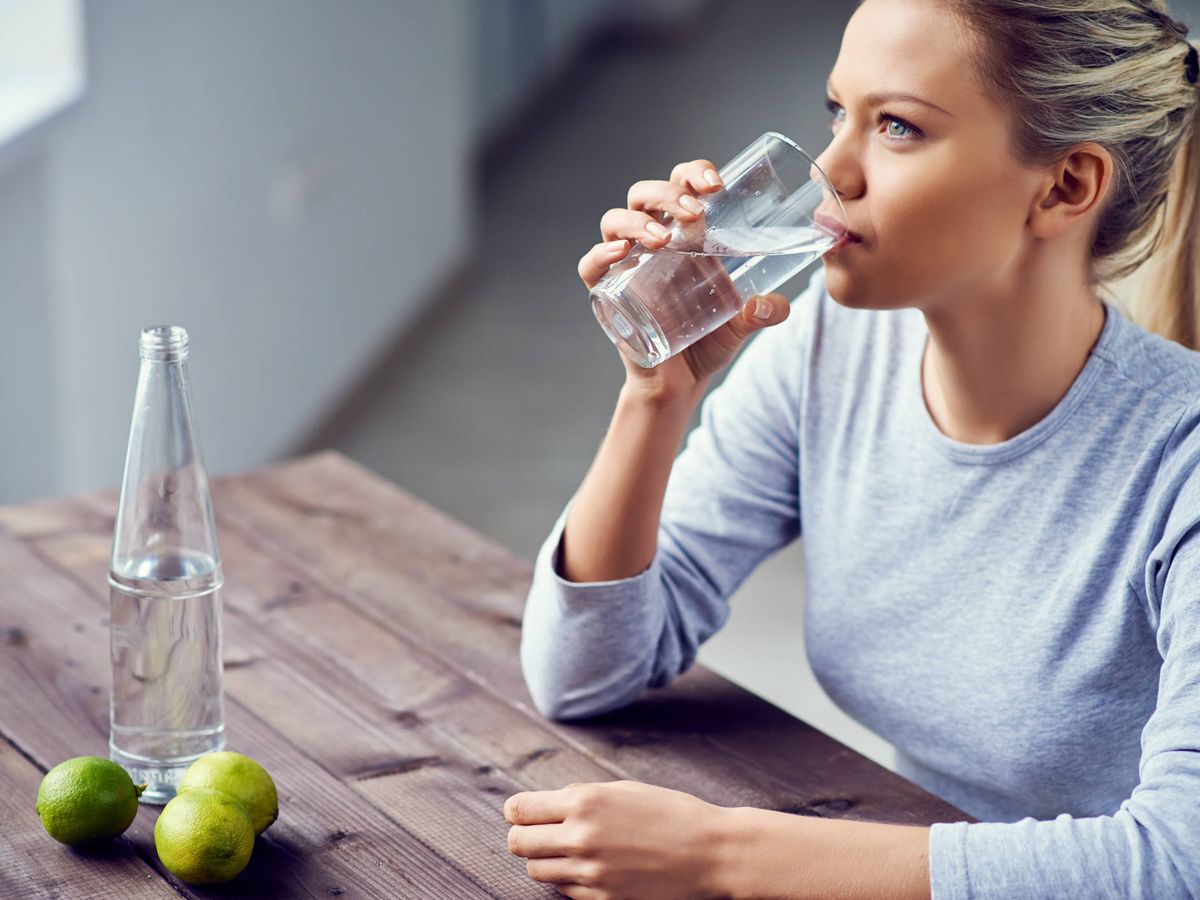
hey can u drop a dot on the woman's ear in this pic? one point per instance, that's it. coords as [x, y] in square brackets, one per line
[1074, 190]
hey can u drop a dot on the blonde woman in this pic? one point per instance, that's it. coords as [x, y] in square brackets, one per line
[992, 467]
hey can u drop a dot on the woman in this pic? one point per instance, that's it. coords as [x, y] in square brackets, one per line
[993, 471]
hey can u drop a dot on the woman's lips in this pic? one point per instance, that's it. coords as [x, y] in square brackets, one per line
[833, 226]
[849, 239]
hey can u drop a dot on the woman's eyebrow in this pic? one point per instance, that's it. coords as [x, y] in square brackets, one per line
[879, 99]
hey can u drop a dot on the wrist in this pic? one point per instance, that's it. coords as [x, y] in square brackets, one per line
[736, 854]
[650, 394]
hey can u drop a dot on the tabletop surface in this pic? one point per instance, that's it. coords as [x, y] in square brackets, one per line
[370, 646]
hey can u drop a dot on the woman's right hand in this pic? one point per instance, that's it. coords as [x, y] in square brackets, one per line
[685, 374]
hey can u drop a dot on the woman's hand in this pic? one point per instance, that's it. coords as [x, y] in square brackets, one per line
[619, 839]
[641, 221]
[632, 841]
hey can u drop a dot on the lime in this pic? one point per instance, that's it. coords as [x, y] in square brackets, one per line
[203, 837]
[87, 799]
[241, 778]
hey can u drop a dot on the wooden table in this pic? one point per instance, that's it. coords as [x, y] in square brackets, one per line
[371, 665]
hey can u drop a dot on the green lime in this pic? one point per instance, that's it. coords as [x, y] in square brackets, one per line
[241, 778]
[203, 837]
[87, 799]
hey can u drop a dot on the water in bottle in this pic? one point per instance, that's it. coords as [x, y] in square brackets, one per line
[166, 700]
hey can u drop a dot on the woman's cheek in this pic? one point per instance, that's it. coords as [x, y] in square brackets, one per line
[943, 221]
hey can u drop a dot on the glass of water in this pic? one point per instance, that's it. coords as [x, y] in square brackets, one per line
[775, 214]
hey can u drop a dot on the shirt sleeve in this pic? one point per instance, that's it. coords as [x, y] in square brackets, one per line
[732, 499]
[1148, 847]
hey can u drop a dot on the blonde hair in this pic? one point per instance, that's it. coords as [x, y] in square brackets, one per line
[1112, 72]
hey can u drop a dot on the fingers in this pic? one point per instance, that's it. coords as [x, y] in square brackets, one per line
[699, 175]
[633, 225]
[667, 196]
[594, 263]
[761, 312]
[640, 222]
[560, 870]
[579, 892]
[538, 841]
[536, 807]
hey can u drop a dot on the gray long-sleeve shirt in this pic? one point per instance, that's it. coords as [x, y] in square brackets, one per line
[1021, 620]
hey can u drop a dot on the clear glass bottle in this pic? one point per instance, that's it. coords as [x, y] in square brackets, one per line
[166, 705]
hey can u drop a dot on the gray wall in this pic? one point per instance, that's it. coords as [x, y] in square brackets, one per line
[291, 180]
[520, 43]
[286, 180]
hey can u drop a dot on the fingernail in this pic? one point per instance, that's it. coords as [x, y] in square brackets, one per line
[614, 246]
[691, 204]
[657, 230]
[762, 309]
[711, 176]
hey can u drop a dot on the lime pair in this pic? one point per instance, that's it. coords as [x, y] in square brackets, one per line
[204, 835]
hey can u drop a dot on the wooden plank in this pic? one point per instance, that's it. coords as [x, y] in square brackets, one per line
[328, 839]
[419, 573]
[288, 641]
[434, 750]
[470, 749]
[33, 864]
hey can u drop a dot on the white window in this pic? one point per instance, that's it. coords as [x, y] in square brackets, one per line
[41, 61]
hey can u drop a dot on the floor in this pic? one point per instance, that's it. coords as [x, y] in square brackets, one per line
[495, 412]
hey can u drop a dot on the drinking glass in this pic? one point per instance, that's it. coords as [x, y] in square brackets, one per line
[775, 214]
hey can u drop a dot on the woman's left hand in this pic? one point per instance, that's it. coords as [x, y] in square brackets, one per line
[618, 839]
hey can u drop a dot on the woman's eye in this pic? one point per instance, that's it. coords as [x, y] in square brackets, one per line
[897, 128]
[899, 124]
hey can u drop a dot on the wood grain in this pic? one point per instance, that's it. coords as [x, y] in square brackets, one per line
[415, 571]
[370, 650]
[60, 711]
[32, 864]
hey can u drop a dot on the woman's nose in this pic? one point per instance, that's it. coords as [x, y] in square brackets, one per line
[837, 170]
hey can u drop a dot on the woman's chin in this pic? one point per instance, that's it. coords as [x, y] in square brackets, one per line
[854, 291]
[843, 287]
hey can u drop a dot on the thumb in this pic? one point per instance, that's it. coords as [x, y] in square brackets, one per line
[761, 311]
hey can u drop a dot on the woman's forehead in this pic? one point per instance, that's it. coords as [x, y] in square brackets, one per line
[914, 47]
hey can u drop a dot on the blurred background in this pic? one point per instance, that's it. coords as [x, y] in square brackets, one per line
[368, 215]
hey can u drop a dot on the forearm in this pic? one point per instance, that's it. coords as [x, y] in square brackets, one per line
[612, 527]
[770, 854]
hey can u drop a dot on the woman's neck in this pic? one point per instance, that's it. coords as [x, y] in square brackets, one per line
[992, 369]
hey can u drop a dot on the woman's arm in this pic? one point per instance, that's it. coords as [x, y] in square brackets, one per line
[625, 838]
[612, 526]
[770, 854]
[685, 531]
[620, 837]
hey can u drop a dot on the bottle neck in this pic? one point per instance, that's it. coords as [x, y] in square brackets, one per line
[164, 343]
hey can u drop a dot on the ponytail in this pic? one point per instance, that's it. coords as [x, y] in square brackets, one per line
[1168, 301]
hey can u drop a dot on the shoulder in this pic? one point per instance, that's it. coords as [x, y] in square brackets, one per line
[1160, 381]
[1154, 388]
[1150, 394]
[1152, 364]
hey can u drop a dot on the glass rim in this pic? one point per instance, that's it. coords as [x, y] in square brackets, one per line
[832, 191]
